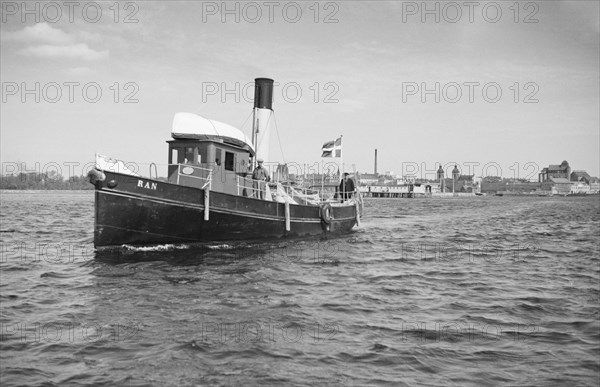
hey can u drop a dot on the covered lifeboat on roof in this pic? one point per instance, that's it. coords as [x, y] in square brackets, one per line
[190, 126]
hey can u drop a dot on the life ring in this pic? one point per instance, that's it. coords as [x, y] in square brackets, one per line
[326, 213]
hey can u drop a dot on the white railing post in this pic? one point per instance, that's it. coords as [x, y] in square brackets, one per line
[206, 203]
[356, 208]
[287, 216]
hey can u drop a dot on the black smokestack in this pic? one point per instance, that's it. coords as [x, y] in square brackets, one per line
[263, 93]
[375, 162]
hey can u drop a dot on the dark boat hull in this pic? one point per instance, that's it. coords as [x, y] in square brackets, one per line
[138, 211]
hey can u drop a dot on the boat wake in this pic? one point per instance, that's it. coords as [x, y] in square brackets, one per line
[220, 247]
[165, 247]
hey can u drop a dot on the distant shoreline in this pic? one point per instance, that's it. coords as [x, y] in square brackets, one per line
[33, 190]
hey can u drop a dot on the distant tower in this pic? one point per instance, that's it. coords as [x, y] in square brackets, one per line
[375, 171]
[440, 177]
[455, 173]
[566, 168]
[455, 176]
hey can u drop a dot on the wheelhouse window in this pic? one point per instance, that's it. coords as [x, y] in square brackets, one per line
[189, 155]
[174, 159]
[229, 161]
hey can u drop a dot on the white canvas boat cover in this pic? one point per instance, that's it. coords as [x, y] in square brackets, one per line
[194, 127]
[105, 163]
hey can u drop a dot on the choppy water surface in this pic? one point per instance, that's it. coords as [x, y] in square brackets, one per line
[485, 290]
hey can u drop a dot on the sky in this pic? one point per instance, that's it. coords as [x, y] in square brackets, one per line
[498, 88]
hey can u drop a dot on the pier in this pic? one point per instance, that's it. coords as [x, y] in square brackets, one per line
[408, 191]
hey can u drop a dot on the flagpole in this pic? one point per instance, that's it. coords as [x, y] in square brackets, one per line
[322, 178]
[342, 154]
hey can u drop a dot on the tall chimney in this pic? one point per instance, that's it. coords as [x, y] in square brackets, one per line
[263, 110]
[263, 93]
[375, 162]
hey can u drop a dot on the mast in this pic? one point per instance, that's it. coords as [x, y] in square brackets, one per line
[341, 154]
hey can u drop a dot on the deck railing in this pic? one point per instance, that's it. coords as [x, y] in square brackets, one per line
[270, 191]
[249, 187]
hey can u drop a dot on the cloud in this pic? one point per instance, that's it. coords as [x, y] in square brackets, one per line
[90, 36]
[39, 33]
[72, 51]
[45, 41]
[80, 71]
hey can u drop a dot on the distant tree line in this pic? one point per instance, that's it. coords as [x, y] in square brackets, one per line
[499, 179]
[44, 181]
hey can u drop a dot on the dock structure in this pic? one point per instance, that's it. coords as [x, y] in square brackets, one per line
[417, 190]
[395, 191]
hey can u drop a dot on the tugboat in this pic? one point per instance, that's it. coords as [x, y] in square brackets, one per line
[209, 194]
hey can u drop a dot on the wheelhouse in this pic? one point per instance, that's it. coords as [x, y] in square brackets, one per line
[194, 162]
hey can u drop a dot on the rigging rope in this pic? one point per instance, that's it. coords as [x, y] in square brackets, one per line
[214, 127]
[246, 120]
[278, 139]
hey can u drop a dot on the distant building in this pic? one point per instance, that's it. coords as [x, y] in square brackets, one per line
[368, 178]
[315, 178]
[432, 187]
[580, 176]
[580, 187]
[462, 183]
[594, 185]
[441, 175]
[458, 182]
[557, 185]
[455, 173]
[580, 182]
[465, 183]
[562, 171]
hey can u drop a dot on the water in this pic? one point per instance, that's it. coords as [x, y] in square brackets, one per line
[477, 291]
